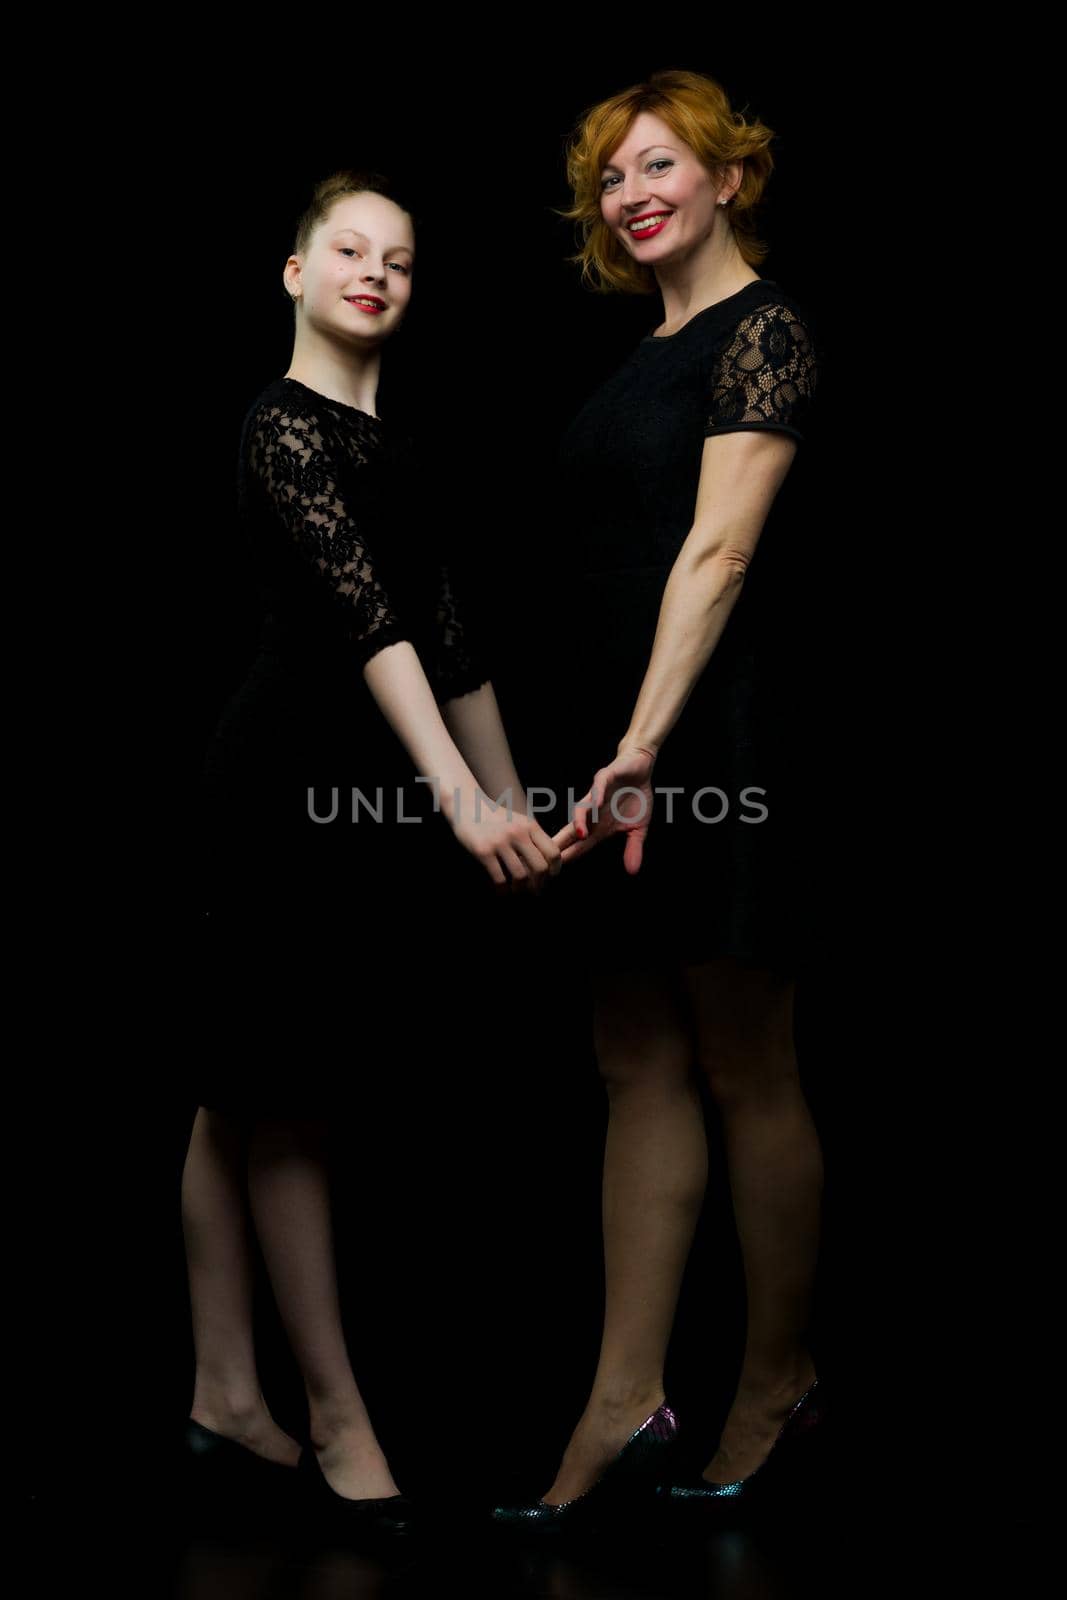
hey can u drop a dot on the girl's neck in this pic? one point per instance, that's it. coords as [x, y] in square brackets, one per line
[349, 378]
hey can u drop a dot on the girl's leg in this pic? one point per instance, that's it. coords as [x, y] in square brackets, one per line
[655, 1174]
[744, 1021]
[227, 1396]
[288, 1186]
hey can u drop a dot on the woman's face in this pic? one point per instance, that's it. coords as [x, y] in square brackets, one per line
[355, 278]
[653, 174]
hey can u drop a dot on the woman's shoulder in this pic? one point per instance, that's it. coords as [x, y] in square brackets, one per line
[761, 307]
[766, 309]
[761, 298]
[762, 328]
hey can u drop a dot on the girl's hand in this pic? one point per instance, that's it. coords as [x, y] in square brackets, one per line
[631, 771]
[518, 854]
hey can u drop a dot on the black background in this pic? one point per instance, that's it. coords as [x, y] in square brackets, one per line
[467, 1197]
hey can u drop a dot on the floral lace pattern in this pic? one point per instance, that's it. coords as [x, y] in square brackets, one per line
[765, 375]
[292, 455]
[310, 461]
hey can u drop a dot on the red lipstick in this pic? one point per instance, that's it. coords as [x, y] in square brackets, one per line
[649, 233]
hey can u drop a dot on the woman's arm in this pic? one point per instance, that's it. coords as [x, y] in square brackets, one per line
[740, 475]
[758, 401]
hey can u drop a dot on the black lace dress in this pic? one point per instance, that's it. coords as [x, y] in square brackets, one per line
[317, 847]
[724, 869]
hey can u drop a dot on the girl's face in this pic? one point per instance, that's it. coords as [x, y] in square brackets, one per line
[653, 175]
[355, 278]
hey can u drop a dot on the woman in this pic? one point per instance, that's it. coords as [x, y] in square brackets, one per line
[666, 480]
[366, 679]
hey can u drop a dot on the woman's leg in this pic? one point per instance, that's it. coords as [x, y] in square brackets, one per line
[226, 1396]
[744, 1021]
[655, 1174]
[288, 1187]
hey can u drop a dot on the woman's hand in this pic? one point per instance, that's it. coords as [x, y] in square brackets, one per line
[518, 854]
[631, 771]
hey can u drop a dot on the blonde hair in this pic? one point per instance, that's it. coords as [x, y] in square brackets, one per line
[699, 112]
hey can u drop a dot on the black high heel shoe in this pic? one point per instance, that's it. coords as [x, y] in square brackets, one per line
[390, 1515]
[771, 1477]
[622, 1484]
[222, 1475]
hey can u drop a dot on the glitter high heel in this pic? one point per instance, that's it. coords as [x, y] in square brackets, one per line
[625, 1481]
[776, 1473]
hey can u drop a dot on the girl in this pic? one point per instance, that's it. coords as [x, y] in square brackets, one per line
[365, 673]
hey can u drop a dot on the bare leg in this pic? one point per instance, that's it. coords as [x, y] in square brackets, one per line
[226, 1397]
[744, 1019]
[655, 1174]
[290, 1197]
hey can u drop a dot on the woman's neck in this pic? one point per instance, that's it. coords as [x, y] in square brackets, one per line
[698, 283]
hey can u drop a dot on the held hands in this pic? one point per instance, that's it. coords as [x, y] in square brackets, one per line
[629, 777]
[518, 854]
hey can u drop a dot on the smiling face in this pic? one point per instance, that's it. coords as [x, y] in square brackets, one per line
[653, 174]
[355, 277]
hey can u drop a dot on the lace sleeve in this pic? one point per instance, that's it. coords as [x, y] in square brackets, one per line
[765, 375]
[296, 466]
[458, 664]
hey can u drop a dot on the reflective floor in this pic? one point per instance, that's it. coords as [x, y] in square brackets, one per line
[732, 1564]
[795, 1549]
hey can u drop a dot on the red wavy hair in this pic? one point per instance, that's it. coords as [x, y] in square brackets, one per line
[698, 110]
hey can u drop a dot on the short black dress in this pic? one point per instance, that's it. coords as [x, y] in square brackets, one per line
[724, 869]
[319, 853]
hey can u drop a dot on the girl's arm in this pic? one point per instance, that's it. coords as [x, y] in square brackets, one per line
[514, 846]
[461, 681]
[293, 456]
[406, 699]
[475, 723]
